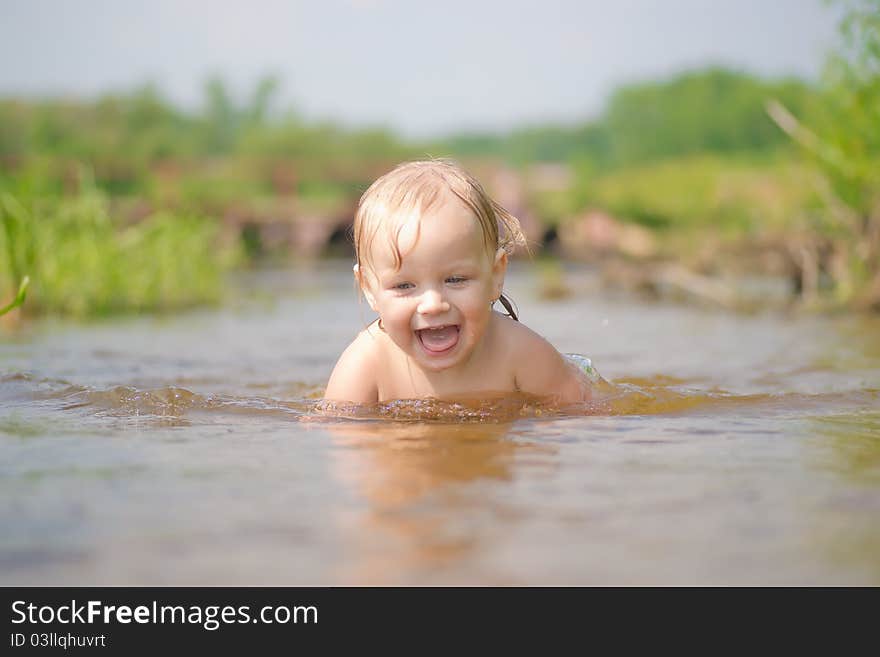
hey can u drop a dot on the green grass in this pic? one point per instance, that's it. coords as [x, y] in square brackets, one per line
[728, 196]
[83, 262]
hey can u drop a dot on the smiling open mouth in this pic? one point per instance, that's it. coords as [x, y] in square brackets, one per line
[440, 339]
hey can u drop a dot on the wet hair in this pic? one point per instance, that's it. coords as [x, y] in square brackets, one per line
[413, 189]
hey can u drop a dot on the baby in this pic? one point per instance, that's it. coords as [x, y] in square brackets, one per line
[432, 252]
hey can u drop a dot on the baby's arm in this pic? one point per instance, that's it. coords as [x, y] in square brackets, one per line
[541, 370]
[354, 377]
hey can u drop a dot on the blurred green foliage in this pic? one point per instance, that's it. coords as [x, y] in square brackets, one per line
[840, 138]
[732, 196]
[847, 122]
[708, 111]
[83, 262]
[715, 111]
[134, 143]
[19, 296]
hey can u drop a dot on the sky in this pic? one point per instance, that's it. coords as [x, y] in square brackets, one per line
[420, 68]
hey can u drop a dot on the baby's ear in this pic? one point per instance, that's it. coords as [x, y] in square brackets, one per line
[499, 269]
[370, 298]
[365, 288]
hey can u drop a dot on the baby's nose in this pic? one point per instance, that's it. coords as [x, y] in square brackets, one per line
[431, 303]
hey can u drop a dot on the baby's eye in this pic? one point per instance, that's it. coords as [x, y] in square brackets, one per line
[456, 279]
[402, 286]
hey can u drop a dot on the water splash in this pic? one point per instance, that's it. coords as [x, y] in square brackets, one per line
[659, 395]
[489, 409]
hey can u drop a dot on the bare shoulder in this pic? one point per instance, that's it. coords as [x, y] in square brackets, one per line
[541, 370]
[354, 376]
[528, 347]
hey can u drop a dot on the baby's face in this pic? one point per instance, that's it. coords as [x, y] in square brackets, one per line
[437, 305]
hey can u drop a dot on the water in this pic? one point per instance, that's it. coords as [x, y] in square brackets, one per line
[185, 450]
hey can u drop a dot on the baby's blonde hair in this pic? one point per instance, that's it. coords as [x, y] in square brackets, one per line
[413, 189]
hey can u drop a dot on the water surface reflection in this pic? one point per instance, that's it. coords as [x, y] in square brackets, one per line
[421, 485]
[729, 449]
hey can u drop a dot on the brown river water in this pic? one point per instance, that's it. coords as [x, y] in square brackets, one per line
[185, 449]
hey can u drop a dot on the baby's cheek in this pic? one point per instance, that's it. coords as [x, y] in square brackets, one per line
[479, 322]
[399, 313]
